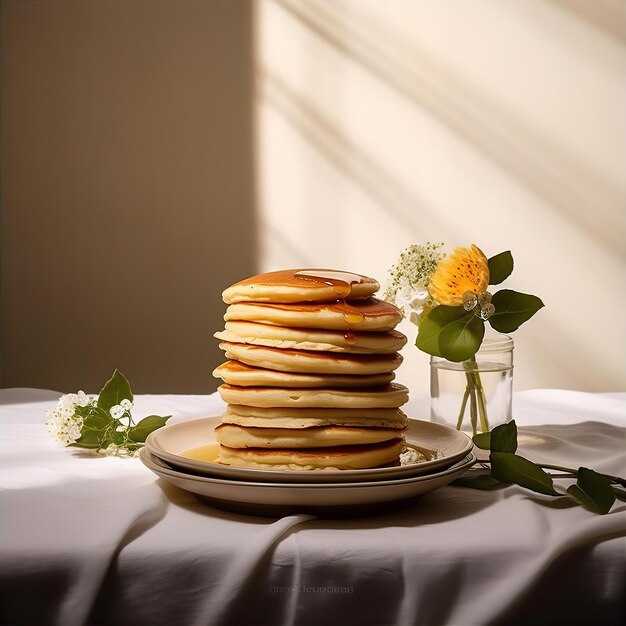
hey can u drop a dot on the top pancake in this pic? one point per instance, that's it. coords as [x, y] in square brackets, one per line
[301, 285]
[368, 314]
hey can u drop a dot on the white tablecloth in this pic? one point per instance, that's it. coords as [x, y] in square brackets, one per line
[100, 541]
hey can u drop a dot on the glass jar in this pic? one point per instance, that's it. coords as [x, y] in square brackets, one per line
[474, 395]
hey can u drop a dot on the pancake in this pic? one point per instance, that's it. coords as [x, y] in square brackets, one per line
[363, 315]
[388, 396]
[233, 436]
[242, 375]
[308, 381]
[346, 457]
[272, 417]
[301, 285]
[311, 362]
[312, 339]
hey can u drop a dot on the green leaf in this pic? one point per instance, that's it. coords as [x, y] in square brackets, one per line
[500, 267]
[485, 482]
[450, 332]
[482, 440]
[116, 437]
[512, 309]
[116, 389]
[84, 411]
[460, 340]
[593, 490]
[512, 468]
[97, 420]
[620, 494]
[139, 432]
[431, 326]
[504, 438]
[88, 439]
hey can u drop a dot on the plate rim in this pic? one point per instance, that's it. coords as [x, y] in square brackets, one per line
[208, 466]
[467, 461]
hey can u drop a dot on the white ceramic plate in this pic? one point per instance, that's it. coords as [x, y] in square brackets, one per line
[342, 499]
[170, 442]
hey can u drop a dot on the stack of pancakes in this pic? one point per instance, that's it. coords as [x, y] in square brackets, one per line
[308, 380]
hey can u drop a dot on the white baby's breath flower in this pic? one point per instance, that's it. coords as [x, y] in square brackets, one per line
[116, 411]
[68, 401]
[126, 404]
[408, 285]
[110, 450]
[62, 421]
[419, 306]
[82, 399]
[403, 297]
[115, 450]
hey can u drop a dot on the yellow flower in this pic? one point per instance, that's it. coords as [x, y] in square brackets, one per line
[466, 269]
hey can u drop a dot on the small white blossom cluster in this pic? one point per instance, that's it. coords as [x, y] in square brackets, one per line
[102, 425]
[117, 411]
[408, 286]
[115, 450]
[63, 423]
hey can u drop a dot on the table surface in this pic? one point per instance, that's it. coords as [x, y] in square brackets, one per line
[95, 540]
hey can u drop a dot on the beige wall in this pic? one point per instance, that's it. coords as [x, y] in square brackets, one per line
[127, 188]
[499, 122]
[127, 175]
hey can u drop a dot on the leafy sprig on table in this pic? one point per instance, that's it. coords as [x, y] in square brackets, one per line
[595, 491]
[103, 424]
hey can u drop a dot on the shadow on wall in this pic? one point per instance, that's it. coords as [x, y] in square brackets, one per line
[127, 189]
[565, 183]
[501, 122]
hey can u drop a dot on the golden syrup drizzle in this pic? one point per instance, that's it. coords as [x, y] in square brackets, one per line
[203, 453]
[353, 319]
[341, 282]
[350, 338]
[351, 315]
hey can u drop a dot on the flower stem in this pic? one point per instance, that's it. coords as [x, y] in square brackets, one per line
[473, 413]
[471, 366]
[474, 387]
[482, 403]
[459, 421]
[572, 472]
[560, 468]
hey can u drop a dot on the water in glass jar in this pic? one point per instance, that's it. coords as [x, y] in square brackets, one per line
[448, 383]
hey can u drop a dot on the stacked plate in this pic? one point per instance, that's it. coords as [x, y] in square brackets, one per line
[183, 454]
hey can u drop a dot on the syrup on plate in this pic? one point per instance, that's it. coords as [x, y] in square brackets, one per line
[203, 453]
[410, 455]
